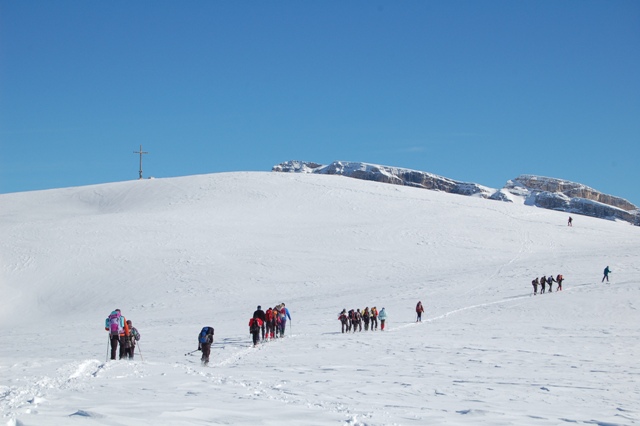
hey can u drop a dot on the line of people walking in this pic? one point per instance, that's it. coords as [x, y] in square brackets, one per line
[270, 324]
[353, 320]
[545, 282]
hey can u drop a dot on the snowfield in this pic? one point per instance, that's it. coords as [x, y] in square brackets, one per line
[178, 254]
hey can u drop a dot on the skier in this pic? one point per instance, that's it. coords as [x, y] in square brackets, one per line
[543, 282]
[419, 311]
[383, 318]
[607, 271]
[114, 324]
[205, 340]
[374, 318]
[535, 283]
[259, 313]
[559, 280]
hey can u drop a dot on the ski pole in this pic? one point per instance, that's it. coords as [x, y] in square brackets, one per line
[189, 353]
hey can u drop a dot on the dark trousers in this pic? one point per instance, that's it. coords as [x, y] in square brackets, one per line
[115, 339]
[374, 323]
[206, 351]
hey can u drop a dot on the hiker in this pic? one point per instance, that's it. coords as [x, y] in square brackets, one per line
[344, 320]
[383, 318]
[570, 222]
[124, 339]
[366, 316]
[550, 282]
[535, 283]
[352, 320]
[358, 320]
[135, 337]
[284, 314]
[205, 340]
[114, 324]
[419, 311]
[259, 313]
[559, 280]
[543, 282]
[607, 271]
[270, 323]
[255, 325]
[374, 318]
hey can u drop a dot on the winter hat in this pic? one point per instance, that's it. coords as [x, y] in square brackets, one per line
[259, 307]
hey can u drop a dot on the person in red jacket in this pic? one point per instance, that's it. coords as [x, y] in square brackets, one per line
[255, 324]
[419, 311]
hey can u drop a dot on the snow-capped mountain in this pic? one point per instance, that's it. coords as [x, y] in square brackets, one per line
[544, 192]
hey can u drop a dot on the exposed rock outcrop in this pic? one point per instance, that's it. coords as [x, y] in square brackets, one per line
[393, 175]
[544, 192]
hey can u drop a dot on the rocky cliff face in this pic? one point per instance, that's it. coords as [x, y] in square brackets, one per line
[544, 192]
[558, 194]
[393, 175]
[570, 189]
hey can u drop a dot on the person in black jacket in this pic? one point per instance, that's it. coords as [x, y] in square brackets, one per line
[259, 313]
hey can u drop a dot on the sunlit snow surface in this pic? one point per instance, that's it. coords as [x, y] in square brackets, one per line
[178, 254]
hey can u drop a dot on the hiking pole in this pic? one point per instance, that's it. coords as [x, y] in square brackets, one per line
[189, 353]
[108, 341]
[139, 350]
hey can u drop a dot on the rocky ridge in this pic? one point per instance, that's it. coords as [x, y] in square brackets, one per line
[544, 192]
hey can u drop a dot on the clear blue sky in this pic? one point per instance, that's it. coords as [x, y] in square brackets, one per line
[479, 91]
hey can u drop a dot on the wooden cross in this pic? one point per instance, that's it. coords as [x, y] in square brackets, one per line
[140, 152]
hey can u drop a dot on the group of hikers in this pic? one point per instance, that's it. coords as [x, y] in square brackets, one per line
[544, 281]
[122, 333]
[270, 324]
[352, 320]
[262, 326]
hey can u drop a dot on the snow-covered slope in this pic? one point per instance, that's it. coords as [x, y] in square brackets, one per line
[178, 254]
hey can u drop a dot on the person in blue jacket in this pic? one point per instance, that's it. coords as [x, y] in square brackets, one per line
[383, 317]
[284, 314]
[607, 271]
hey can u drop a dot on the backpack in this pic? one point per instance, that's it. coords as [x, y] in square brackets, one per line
[560, 278]
[254, 325]
[114, 323]
[203, 337]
